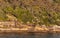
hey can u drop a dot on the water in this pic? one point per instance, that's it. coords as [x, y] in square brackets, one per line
[31, 35]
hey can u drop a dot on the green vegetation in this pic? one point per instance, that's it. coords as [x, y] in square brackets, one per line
[33, 11]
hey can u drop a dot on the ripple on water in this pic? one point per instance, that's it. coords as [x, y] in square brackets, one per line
[31, 35]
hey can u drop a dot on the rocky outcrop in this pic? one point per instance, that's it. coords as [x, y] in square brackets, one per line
[9, 26]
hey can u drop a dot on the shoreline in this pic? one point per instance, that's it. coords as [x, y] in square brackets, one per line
[28, 29]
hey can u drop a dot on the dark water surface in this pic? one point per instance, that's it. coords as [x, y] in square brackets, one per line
[31, 35]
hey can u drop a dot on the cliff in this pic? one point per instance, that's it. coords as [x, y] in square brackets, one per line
[31, 29]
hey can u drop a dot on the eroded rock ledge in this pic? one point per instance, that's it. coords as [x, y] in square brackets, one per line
[36, 29]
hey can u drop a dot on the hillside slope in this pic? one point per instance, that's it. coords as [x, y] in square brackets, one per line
[32, 11]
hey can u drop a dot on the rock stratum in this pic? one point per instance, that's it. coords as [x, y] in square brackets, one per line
[30, 29]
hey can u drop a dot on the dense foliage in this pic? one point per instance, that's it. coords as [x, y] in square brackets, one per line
[32, 11]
